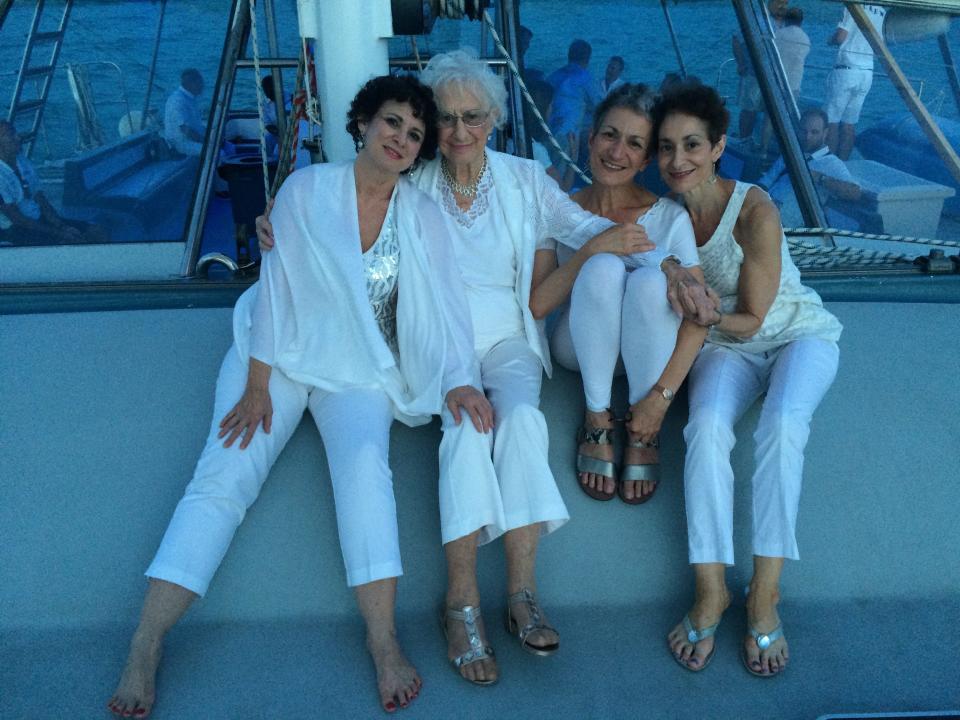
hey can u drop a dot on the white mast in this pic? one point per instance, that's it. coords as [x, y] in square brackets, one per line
[351, 48]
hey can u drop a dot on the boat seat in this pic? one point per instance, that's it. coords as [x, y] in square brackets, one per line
[135, 176]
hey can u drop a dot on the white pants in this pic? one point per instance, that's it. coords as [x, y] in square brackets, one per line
[500, 481]
[355, 427]
[615, 312]
[724, 382]
[847, 89]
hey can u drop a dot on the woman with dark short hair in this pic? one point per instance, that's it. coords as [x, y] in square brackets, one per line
[359, 317]
[772, 336]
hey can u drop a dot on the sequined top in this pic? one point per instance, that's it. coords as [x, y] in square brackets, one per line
[381, 264]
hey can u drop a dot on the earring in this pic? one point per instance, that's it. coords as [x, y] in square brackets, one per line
[713, 178]
[361, 142]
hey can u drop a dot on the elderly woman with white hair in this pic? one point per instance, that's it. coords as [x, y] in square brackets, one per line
[503, 213]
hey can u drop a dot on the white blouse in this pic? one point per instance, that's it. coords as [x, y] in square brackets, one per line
[487, 262]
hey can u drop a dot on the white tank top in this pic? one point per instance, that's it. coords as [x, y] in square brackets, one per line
[797, 311]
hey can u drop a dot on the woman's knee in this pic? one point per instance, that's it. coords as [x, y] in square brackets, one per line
[708, 428]
[521, 413]
[600, 273]
[647, 290]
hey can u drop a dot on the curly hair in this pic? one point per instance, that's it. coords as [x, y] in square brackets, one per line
[462, 69]
[693, 98]
[401, 89]
[633, 96]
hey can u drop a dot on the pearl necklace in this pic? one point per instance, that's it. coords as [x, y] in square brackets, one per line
[470, 189]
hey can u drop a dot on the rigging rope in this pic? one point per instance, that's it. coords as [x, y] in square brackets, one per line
[870, 236]
[260, 97]
[515, 71]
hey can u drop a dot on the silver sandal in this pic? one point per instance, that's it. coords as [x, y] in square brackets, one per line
[591, 435]
[536, 623]
[478, 651]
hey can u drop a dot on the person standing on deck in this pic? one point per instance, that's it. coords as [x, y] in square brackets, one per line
[850, 80]
[183, 126]
[793, 44]
[576, 93]
[613, 77]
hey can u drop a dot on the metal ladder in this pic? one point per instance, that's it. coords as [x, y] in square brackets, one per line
[30, 111]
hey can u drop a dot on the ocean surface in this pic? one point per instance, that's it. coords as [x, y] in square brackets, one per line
[113, 43]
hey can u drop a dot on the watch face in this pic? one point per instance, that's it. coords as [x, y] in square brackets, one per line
[667, 394]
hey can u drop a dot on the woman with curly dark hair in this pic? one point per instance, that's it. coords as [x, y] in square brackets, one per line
[770, 336]
[359, 317]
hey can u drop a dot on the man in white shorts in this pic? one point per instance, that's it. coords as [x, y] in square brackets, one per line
[850, 80]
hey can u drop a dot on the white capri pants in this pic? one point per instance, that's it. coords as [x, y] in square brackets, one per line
[500, 481]
[724, 382]
[616, 312]
[355, 427]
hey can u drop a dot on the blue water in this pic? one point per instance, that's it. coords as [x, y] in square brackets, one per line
[118, 36]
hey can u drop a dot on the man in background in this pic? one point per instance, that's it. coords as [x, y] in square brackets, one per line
[850, 79]
[830, 175]
[612, 78]
[26, 216]
[183, 126]
[793, 44]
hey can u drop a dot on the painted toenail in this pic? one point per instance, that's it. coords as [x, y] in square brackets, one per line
[390, 707]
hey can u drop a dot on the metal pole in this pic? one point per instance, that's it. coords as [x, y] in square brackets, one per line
[237, 34]
[774, 88]
[673, 37]
[508, 17]
[951, 67]
[277, 76]
[153, 64]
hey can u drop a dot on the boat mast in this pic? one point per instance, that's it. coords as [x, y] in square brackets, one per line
[351, 47]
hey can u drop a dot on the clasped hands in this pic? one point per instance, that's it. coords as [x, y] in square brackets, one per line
[689, 297]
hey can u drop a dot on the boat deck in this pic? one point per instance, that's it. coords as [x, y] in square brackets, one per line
[105, 413]
[854, 656]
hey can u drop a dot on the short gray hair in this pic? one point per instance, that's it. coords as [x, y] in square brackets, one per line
[462, 68]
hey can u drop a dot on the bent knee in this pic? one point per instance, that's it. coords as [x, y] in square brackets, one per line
[712, 428]
[599, 272]
[648, 287]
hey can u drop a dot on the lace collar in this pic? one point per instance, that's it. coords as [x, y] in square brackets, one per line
[466, 218]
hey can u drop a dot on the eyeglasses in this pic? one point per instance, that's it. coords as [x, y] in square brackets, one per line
[471, 118]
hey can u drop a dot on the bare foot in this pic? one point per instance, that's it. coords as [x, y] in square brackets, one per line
[136, 693]
[596, 482]
[484, 671]
[763, 618]
[639, 456]
[706, 611]
[541, 638]
[397, 680]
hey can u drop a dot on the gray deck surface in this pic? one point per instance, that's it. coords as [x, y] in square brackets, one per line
[613, 663]
[103, 415]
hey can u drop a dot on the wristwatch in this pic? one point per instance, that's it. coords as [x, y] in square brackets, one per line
[665, 392]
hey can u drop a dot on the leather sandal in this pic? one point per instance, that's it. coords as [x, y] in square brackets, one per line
[586, 464]
[763, 640]
[478, 651]
[639, 472]
[693, 637]
[536, 623]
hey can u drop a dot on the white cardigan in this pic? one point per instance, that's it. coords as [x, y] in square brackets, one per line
[309, 315]
[534, 208]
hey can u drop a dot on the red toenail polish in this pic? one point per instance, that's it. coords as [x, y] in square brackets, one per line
[390, 707]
